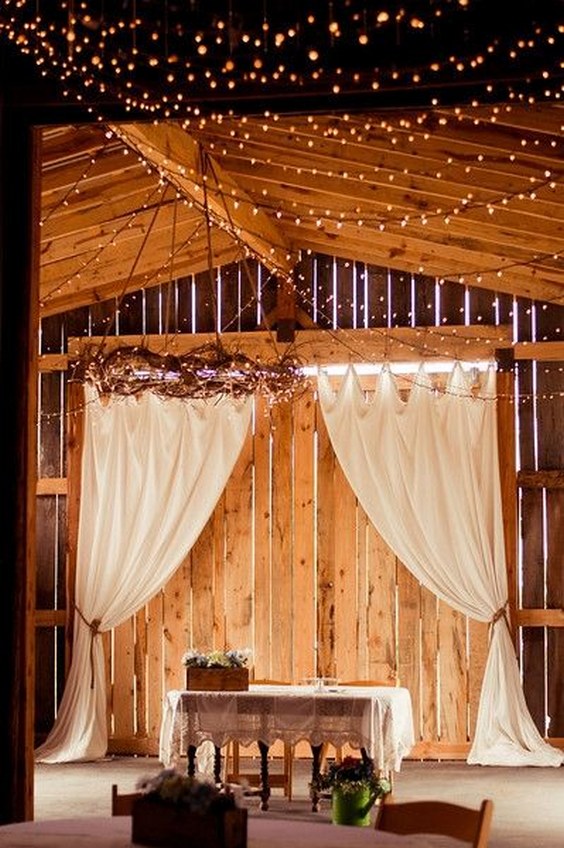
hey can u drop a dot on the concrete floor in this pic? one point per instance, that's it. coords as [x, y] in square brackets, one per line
[528, 813]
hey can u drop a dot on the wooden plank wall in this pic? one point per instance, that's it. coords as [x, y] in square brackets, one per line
[288, 564]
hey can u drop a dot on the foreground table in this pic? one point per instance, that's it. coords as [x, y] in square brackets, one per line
[115, 832]
[376, 720]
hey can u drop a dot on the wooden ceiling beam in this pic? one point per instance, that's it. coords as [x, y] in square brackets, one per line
[385, 203]
[76, 294]
[129, 226]
[420, 149]
[178, 157]
[320, 347]
[425, 257]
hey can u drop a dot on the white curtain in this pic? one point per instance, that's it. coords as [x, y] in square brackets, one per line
[152, 473]
[426, 473]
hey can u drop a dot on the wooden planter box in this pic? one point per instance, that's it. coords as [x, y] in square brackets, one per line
[171, 826]
[217, 679]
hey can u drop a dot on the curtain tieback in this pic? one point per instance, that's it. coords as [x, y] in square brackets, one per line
[500, 613]
[94, 627]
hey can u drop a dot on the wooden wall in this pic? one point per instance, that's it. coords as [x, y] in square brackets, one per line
[288, 564]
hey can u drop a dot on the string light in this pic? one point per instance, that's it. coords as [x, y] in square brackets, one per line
[168, 59]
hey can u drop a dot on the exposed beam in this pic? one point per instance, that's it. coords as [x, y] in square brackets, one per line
[322, 347]
[179, 158]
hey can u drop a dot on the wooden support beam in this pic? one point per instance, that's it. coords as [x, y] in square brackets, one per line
[285, 310]
[541, 351]
[178, 157]
[544, 479]
[540, 618]
[508, 472]
[51, 486]
[317, 347]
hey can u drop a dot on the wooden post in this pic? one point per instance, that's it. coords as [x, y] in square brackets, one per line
[19, 331]
[75, 431]
[508, 472]
[285, 310]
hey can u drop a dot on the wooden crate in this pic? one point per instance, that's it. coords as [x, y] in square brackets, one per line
[174, 826]
[217, 679]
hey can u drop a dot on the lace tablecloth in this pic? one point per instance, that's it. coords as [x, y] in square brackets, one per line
[378, 719]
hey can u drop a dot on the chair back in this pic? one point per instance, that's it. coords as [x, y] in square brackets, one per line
[122, 803]
[437, 817]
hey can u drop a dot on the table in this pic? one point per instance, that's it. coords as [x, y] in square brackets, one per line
[376, 720]
[115, 832]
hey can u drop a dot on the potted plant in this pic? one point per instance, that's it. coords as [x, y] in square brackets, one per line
[175, 810]
[217, 670]
[355, 787]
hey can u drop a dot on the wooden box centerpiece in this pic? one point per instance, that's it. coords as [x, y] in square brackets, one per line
[174, 826]
[217, 671]
[217, 679]
[176, 810]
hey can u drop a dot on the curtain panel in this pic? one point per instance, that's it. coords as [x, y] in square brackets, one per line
[152, 472]
[425, 471]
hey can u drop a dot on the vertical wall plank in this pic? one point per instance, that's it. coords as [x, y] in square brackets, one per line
[325, 553]
[262, 528]
[429, 665]
[141, 682]
[303, 612]
[453, 675]
[409, 642]
[238, 551]
[219, 623]
[176, 626]
[479, 644]
[202, 562]
[346, 579]
[123, 679]
[282, 541]
[381, 608]
[155, 665]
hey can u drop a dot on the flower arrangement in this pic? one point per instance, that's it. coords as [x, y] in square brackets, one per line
[198, 795]
[216, 659]
[352, 775]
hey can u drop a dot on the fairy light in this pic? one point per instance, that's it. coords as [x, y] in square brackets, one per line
[152, 58]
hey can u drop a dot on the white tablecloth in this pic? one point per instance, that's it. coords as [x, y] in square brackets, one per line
[378, 719]
[115, 832]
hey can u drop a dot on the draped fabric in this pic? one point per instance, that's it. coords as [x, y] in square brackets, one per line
[152, 473]
[426, 473]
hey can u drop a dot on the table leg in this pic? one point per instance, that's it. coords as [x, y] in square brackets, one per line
[217, 764]
[191, 760]
[316, 751]
[264, 780]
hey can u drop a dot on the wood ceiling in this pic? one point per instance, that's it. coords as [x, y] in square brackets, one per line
[472, 195]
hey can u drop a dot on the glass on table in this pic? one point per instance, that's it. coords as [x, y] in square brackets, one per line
[320, 684]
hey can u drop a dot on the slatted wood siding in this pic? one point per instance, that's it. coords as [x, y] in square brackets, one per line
[289, 564]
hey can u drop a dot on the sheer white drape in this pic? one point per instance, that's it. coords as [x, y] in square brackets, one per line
[426, 473]
[152, 473]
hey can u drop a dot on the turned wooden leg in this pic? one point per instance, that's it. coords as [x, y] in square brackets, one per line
[217, 764]
[316, 751]
[264, 780]
[191, 760]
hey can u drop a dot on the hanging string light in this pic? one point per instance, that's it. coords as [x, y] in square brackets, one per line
[167, 59]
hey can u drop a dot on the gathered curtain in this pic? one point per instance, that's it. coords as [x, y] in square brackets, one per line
[152, 473]
[425, 471]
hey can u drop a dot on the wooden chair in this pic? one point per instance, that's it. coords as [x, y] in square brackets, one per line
[122, 804]
[437, 817]
[233, 772]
